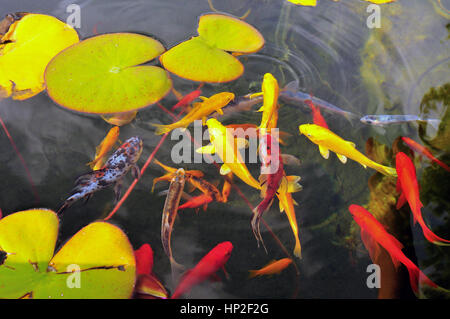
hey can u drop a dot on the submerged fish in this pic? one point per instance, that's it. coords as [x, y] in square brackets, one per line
[373, 234]
[328, 141]
[187, 99]
[274, 267]
[104, 147]
[424, 151]
[197, 201]
[170, 213]
[221, 141]
[112, 173]
[270, 93]
[381, 120]
[290, 94]
[206, 267]
[408, 187]
[237, 105]
[270, 182]
[119, 119]
[200, 111]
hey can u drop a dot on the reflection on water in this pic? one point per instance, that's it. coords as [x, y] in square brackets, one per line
[333, 55]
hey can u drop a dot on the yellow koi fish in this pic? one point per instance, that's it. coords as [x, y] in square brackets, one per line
[103, 148]
[200, 111]
[270, 93]
[287, 205]
[223, 143]
[328, 141]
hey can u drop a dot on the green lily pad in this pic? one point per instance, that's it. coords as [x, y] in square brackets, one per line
[204, 58]
[101, 251]
[103, 74]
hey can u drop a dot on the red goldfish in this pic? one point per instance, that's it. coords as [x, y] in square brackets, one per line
[317, 117]
[423, 150]
[147, 285]
[195, 202]
[274, 267]
[408, 187]
[144, 259]
[205, 268]
[187, 99]
[374, 234]
[271, 182]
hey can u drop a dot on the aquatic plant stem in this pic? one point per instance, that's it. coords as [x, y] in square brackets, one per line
[33, 188]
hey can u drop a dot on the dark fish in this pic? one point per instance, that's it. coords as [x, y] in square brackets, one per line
[117, 166]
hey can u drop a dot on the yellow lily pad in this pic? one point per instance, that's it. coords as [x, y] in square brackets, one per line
[29, 45]
[229, 34]
[100, 254]
[204, 58]
[103, 74]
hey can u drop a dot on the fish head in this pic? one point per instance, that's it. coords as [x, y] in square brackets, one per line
[307, 129]
[215, 129]
[370, 119]
[224, 250]
[133, 147]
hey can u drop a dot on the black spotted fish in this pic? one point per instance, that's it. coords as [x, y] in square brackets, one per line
[112, 173]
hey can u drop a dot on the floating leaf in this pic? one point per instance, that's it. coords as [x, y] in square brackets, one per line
[103, 74]
[27, 48]
[100, 251]
[311, 3]
[203, 58]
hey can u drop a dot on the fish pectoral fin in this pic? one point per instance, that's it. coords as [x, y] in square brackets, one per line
[251, 96]
[293, 185]
[117, 191]
[225, 169]
[203, 98]
[342, 158]
[208, 149]
[281, 205]
[136, 171]
[295, 203]
[219, 111]
[365, 166]
[204, 120]
[324, 152]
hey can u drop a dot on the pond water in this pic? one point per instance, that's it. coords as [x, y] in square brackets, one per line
[332, 53]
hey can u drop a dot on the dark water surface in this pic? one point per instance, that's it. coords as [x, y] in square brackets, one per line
[333, 54]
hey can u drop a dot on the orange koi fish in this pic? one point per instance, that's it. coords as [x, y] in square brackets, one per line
[195, 202]
[374, 234]
[288, 185]
[274, 267]
[200, 111]
[317, 117]
[205, 268]
[408, 187]
[187, 99]
[104, 147]
[424, 151]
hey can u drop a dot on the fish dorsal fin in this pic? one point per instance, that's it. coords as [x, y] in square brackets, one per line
[224, 169]
[324, 152]
[342, 158]
[208, 149]
[292, 86]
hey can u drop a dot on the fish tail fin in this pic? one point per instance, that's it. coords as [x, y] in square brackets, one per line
[62, 208]
[432, 237]
[253, 273]
[256, 218]
[386, 170]
[416, 276]
[162, 129]
[298, 249]
[176, 269]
